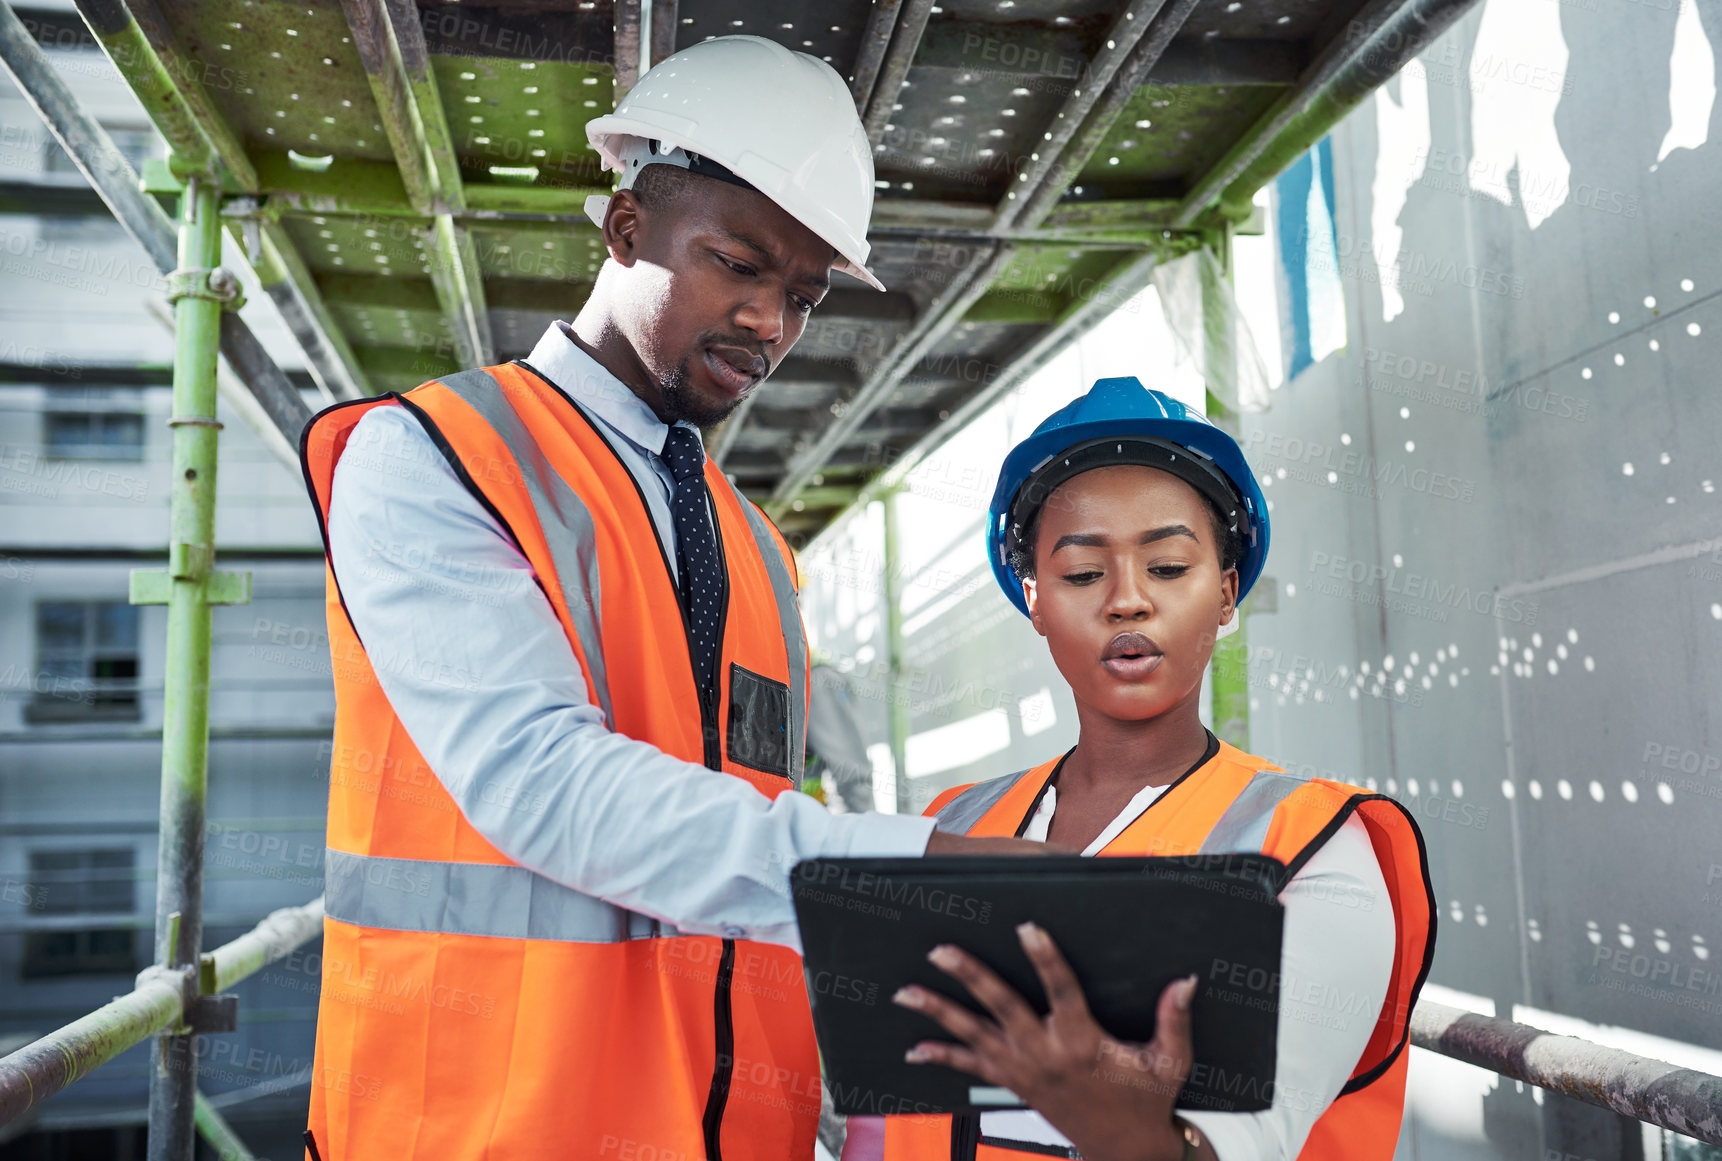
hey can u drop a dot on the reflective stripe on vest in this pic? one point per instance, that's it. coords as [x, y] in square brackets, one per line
[499, 900]
[1244, 826]
[562, 515]
[789, 617]
[962, 812]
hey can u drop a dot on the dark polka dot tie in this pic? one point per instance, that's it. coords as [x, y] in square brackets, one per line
[702, 578]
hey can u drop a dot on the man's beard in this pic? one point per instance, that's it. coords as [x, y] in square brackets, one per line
[676, 394]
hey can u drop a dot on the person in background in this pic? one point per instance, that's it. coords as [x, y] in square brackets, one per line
[834, 740]
[1127, 528]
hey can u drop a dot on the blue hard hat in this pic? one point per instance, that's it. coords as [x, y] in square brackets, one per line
[1161, 433]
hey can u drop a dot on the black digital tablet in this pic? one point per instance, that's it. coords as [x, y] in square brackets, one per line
[1128, 927]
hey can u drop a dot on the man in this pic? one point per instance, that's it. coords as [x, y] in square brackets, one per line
[571, 680]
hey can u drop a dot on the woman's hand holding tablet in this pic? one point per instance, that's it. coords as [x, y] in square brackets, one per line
[1113, 1099]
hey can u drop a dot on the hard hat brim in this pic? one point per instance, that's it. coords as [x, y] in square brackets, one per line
[601, 132]
[597, 205]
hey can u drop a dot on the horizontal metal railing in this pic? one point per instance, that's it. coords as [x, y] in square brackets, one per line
[42, 1068]
[1681, 1100]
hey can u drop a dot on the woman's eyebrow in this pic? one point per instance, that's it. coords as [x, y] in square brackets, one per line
[1153, 534]
[1080, 540]
[1097, 540]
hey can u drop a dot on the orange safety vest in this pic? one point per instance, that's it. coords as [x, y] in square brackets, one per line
[1233, 802]
[472, 1008]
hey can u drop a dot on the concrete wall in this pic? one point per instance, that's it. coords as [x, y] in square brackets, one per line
[1497, 540]
[1505, 486]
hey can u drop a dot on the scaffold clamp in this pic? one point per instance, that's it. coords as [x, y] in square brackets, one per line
[215, 284]
[207, 1014]
[153, 586]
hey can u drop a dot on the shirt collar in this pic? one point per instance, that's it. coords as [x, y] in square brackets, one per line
[589, 384]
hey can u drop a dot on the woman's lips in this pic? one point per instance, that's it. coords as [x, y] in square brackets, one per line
[1131, 656]
[1132, 668]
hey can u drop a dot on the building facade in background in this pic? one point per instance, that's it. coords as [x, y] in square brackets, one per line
[85, 390]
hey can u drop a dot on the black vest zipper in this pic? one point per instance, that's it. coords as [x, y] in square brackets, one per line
[723, 1017]
[723, 1021]
[965, 1137]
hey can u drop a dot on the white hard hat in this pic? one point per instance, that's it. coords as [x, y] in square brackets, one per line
[784, 122]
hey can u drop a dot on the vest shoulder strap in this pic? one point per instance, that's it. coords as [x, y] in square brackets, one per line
[561, 519]
[960, 813]
[1244, 825]
[943, 797]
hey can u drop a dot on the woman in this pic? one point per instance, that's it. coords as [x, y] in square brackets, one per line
[1127, 528]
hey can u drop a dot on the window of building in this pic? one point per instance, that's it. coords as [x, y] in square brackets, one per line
[86, 662]
[135, 145]
[93, 435]
[97, 884]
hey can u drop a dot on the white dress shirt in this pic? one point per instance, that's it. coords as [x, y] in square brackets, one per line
[1335, 963]
[475, 664]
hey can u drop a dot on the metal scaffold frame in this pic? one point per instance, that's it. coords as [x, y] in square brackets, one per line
[181, 996]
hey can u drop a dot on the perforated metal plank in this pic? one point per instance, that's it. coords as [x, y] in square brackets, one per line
[403, 368]
[1051, 13]
[545, 251]
[830, 30]
[855, 343]
[515, 331]
[973, 354]
[1058, 268]
[1203, 60]
[517, 82]
[1172, 133]
[959, 131]
[338, 243]
[921, 268]
[566, 31]
[523, 113]
[283, 75]
[382, 313]
[1267, 19]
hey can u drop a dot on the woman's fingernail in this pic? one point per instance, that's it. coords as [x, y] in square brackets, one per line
[908, 997]
[944, 956]
[1032, 936]
[1185, 993]
[915, 1056]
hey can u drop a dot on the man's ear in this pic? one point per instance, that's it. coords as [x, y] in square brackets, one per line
[1031, 594]
[622, 222]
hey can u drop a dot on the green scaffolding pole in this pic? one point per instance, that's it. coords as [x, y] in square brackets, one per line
[219, 1134]
[1229, 673]
[199, 291]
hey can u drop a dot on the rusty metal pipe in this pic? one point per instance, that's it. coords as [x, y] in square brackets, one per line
[1678, 1099]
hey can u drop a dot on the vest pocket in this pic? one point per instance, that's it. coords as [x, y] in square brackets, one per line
[758, 722]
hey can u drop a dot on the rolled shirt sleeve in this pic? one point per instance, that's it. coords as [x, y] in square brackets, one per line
[469, 652]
